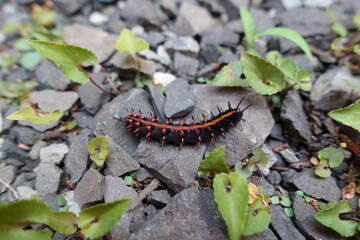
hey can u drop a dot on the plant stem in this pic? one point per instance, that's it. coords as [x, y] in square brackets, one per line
[98, 86]
[138, 69]
[7, 185]
[110, 81]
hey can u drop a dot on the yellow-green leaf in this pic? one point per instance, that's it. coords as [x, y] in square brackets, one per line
[63, 222]
[349, 116]
[127, 42]
[229, 76]
[98, 149]
[69, 58]
[214, 162]
[19, 234]
[356, 19]
[303, 80]
[257, 219]
[34, 114]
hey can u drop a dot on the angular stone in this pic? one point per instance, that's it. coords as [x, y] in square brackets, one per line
[289, 156]
[7, 174]
[163, 79]
[219, 37]
[69, 7]
[177, 169]
[26, 135]
[143, 174]
[34, 153]
[186, 45]
[158, 100]
[126, 62]
[180, 219]
[106, 121]
[9, 149]
[182, 27]
[47, 178]
[53, 153]
[26, 192]
[294, 118]
[99, 42]
[90, 188]
[314, 186]
[185, 66]
[83, 119]
[159, 198]
[77, 158]
[50, 76]
[180, 99]
[267, 234]
[119, 162]
[138, 11]
[272, 159]
[71, 203]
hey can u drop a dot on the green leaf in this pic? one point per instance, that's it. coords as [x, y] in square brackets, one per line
[275, 200]
[143, 81]
[231, 195]
[259, 159]
[289, 212]
[276, 100]
[307, 199]
[203, 80]
[34, 114]
[61, 201]
[257, 219]
[63, 222]
[348, 116]
[97, 220]
[30, 60]
[290, 35]
[69, 126]
[330, 218]
[69, 58]
[248, 25]
[128, 180]
[18, 234]
[98, 149]
[133, 173]
[22, 213]
[303, 80]
[300, 193]
[355, 87]
[335, 25]
[18, 90]
[262, 76]
[323, 170]
[214, 162]
[288, 66]
[285, 201]
[22, 45]
[229, 76]
[127, 42]
[41, 33]
[333, 155]
[356, 19]
[44, 16]
[356, 49]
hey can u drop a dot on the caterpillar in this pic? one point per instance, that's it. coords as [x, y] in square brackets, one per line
[179, 134]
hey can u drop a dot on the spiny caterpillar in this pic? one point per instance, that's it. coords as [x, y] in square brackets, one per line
[182, 133]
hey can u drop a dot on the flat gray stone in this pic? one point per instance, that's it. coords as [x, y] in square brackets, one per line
[71, 203]
[69, 6]
[76, 159]
[50, 76]
[272, 159]
[25, 135]
[34, 153]
[314, 186]
[158, 100]
[90, 188]
[289, 156]
[53, 153]
[185, 45]
[159, 198]
[9, 149]
[138, 11]
[143, 174]
[220, 37]
[126, 62]
[119, 162]
[267, 234]
[177, 168]
[7, 174]
[47, 178]
[185, 66]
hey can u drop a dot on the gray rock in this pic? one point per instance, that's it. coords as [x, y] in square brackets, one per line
[291, 4]
[25, 135]
[53, 153]
[34, 153]
[182, 27]
[177, 168]
[186, 45]
[154, 38]
[83, 119]
[99, 42]
[47, 178]
[69, 7]
[118, 162]
[76, 159]
[306, 21]
[180, 219]
[149, 54]
[293, 115]
[158, 100]
[163, 79]
[242, 139]
[330, 90]
[48, 101]
[283, 225]
[272, 159]
[185, 66]
[50, 76]
[159, 198]
[7, 123]
[143, 174]
[228, 57]
[9, 149]
[164, 57]
[319, 188]
[51, 200]
[26, 192]
[150, 210]
[199, 18]
[268, 188]
[317, 3]
[91, 96]
[16, 75]
[307, 224]
[267, 234]
[7, 174]
[276, 132]
[289, 156]
[90, 188]
[303, 62]
[71, 203]
[220, 37]
[137, 11]
[235, 26]
[180, 99]
[126, 62]
[169, 6]
[274, 178]
[106, 121]
[1, 122]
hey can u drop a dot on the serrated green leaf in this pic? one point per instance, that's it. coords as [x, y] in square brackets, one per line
[356, 19]
[231, 195]
[303, 80]
[69, 58]
[288, 66]
[348, 116]
[290, 35]
[289, 212]
[21, 213]
[273, 57]
[248, 25]
[97, 220]
[323, 170]
[63, 222]
[333, 155]
[214, 162]
[34, 114]
[262, 76]
[127, 42]
[18, 234]
[98, 149]
[30, 60]
[229, 76]
[330, 218]
[61, 201]
[128, 180]
[285, 201]
[257, 219]
[275, 200]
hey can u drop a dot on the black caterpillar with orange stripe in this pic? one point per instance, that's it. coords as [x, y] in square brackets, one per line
[182, 133]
